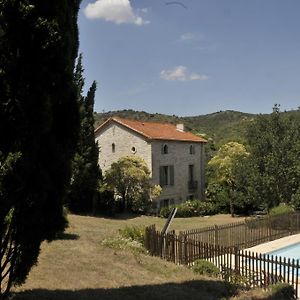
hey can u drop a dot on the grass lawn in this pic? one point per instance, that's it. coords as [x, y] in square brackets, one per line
[79, 267]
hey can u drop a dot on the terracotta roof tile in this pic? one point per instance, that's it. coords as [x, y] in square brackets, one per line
[156, 131]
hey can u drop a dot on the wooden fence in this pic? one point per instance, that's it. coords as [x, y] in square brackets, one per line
[249, 233]
[251, 269]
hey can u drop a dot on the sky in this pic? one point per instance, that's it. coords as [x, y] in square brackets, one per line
[192, 57]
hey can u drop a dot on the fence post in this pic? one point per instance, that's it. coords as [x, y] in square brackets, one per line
[216, 235]
[269, 227]
[185, 250]
[236, 260]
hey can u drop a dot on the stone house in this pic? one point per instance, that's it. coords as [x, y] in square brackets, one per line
[175, 157]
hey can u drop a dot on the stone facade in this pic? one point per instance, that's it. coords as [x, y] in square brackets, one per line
[124, 141]
[180, 158]
[178, 166]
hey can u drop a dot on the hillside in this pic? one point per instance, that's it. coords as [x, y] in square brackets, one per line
[221, 126]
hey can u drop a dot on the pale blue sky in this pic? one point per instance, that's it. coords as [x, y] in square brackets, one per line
[192, 57]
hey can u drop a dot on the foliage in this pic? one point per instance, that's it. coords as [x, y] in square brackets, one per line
[85, 178]
[282, 208]
[222, 173]
[203, 267]
[134, 233]
[220, 127]
[106, 201]
[282, 291]
[190, 208]
[275, 148]
[131, 238]
[38, 127]
[129, 178]
[120, 243]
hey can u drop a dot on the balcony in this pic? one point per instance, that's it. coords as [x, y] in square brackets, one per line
[192, 186]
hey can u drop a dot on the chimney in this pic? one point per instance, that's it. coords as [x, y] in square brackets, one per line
[180, 127]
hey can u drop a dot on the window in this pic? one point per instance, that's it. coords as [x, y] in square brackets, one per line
[164, 149]
[113, 148]
[166, 175]
[192, 149]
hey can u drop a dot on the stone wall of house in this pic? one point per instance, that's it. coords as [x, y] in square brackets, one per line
[178, 156]
[126, 143]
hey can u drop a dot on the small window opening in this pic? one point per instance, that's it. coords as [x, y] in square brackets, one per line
[165, 149]
[113, 148]
[192, 149]
[133, 149]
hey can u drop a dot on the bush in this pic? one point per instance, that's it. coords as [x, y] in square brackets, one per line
[134, 233]
[278, 221]
[191, 208]
[282, 291]
[295, 200]
[165, 211]
[120, 243]
[204, 267]
[106, 202]
[282, 208]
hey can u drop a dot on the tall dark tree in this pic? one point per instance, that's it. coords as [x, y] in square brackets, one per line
[85, 170]
[38, 127]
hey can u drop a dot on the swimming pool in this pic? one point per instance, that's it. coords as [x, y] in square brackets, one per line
[291, 251]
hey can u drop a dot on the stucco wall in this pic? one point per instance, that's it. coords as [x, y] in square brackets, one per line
[124, 139]
[179, 156]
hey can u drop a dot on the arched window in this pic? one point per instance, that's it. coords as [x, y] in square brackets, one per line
[113, 148]
[164, 149]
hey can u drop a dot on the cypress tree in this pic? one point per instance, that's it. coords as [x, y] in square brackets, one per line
[38, 127]
[85, 170]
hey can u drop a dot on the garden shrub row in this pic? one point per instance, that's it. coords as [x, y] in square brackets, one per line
[191, 208]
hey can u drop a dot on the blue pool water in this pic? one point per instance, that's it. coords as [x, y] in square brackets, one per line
[291, 251]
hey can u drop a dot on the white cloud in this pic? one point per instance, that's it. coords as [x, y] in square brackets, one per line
[191, 36]
[181, 73]
[187, 36]
[117, 11]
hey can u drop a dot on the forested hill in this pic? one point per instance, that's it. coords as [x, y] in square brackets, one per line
[221, 126]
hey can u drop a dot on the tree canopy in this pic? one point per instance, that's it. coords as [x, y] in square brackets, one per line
[274, 144]
[129, 178]
[222, 169]
[38, 127]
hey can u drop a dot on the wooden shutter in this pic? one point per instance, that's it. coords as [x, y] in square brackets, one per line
[171, 175]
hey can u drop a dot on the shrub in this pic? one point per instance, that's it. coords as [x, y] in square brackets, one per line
[282, 208]
[191, 208]
[120, 243]
[204, 267]
[165, 211]
[295, 200]
[282, 291]
[134, 233]
[278, 221]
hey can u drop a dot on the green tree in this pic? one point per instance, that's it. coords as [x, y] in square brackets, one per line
[129, 178]
[85, 170]
[222, 170]
[38, 127]
[275, 150]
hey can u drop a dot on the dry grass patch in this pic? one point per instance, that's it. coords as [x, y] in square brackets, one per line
[80, 266]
